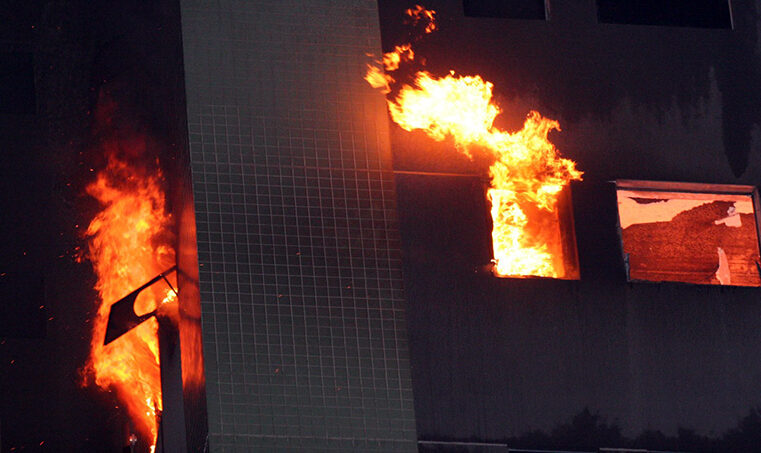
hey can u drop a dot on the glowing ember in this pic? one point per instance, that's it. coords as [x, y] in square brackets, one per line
[527, 175]
[129, 242]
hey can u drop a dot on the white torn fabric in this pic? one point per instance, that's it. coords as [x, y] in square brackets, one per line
[671, 204]
[632, 213]
[722, 273]
[732, 219]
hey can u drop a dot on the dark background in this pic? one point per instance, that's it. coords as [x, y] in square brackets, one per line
[597, 362]
[58, 61]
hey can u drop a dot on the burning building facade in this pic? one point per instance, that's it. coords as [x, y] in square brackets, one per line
[605, 360]
[332, 263]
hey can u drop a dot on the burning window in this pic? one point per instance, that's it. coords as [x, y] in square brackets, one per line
[690, 233]
[679, 13]
[543, 244]
[510, 9]
[528, 176]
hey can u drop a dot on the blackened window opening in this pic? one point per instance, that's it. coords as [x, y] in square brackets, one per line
[510, 9]
[673, 13]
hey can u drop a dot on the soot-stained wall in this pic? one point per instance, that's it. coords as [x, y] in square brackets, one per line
[304, 333]
[498, 358]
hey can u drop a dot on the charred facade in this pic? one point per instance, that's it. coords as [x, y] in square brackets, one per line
[519, 362]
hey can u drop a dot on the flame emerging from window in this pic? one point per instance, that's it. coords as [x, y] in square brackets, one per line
[129, 242]
[527, 173]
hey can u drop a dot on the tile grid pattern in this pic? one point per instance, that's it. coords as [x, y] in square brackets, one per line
[302, 310]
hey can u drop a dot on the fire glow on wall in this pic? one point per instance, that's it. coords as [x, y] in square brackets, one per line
[528, 177]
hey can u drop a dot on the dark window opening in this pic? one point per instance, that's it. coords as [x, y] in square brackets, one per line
[673, 13]
[17, 83]
[509, 9]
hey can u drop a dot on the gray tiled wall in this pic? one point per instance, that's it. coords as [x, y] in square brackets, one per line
[302, 310]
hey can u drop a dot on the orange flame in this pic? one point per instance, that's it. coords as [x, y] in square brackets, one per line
[380, 78]
[129, 242]
[419, 13]
[527, 174]
[376, 76]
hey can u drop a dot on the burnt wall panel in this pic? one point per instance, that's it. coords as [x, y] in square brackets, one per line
[303, 322]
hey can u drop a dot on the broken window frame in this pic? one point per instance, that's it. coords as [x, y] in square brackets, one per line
[686, 187]
[567, 226]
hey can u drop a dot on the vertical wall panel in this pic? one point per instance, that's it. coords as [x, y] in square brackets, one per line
[302, 311]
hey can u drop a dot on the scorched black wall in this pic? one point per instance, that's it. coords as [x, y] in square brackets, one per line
[498, 358]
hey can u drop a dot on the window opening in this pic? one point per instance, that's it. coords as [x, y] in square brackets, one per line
[690, 233]
[673, 13]
[509, 9]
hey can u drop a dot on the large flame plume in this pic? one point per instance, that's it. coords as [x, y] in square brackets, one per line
[129, 242]
[527, 173]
